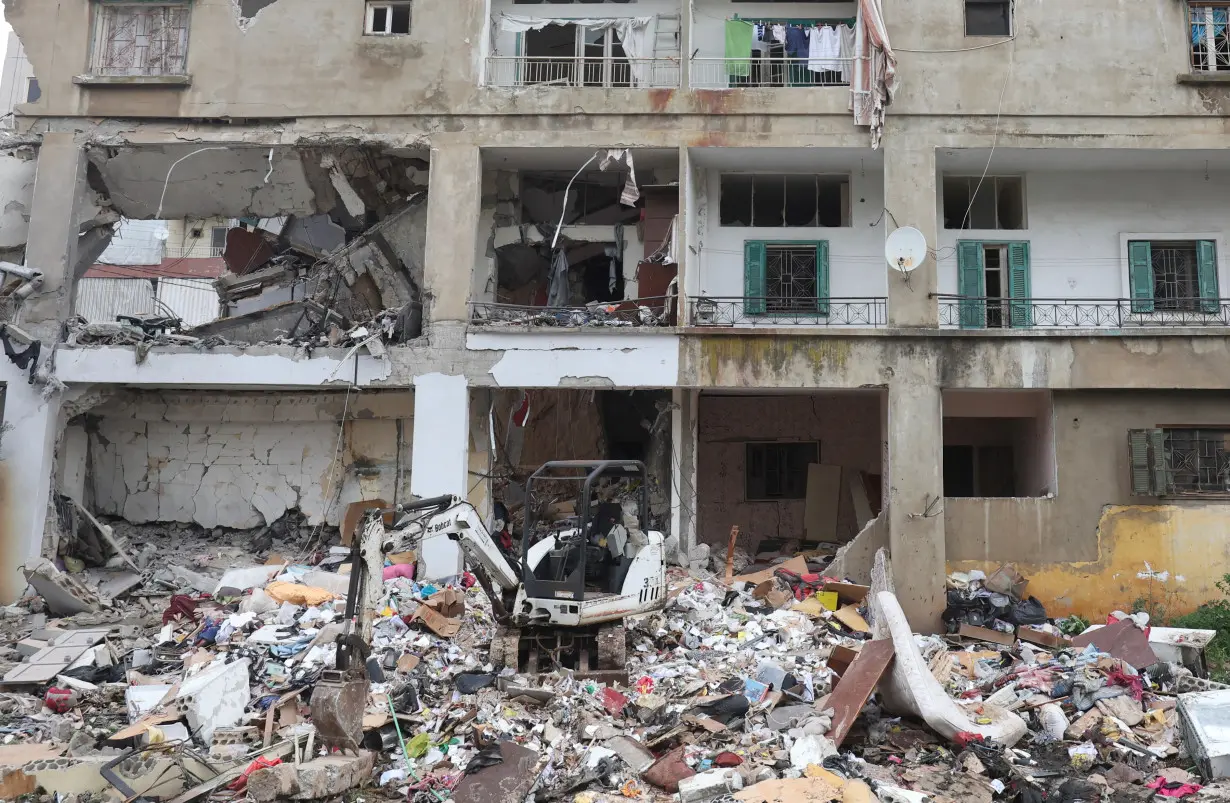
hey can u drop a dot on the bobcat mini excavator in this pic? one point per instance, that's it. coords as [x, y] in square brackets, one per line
[560, 605]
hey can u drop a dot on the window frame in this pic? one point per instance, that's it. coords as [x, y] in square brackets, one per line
[33, 88]
[1144, 305]
[844, 182]
[1149, 476]
[578, 77]
[1191, 6]
[1018, 272]
[94, 56]
[1011, 9]
[369, 17]
[754, 303]
[748, 446]
[974, 190]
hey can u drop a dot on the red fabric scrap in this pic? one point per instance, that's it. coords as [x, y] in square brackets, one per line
[727, 759]
[241, 783]
[1173, 789]
[1132, 683]
[181, 605]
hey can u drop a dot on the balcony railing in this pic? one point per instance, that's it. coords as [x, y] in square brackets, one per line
[511, 71]
[744, 312]
[707, 73]
[970, 312]
[641, 312]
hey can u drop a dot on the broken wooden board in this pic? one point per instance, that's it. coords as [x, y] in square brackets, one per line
[986, 634]
[841, 658]
[1042, 638]
[856, 685]
[850, 617]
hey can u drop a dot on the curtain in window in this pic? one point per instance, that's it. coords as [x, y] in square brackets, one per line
[636, 34]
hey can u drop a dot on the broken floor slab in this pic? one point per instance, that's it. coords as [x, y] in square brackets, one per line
[321, 778]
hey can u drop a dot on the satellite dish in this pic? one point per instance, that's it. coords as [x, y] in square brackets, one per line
[162, 234]
[905, 249]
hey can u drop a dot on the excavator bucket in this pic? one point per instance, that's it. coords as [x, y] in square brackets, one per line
[338, 701]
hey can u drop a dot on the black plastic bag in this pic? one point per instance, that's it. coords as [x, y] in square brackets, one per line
[470, 682]
[1027, 612]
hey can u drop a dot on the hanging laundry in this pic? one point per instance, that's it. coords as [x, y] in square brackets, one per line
[558, 290]
[824, 50]
[631, 192]
[846, 52]
[796, 42]
[738, 47]
[779, 34]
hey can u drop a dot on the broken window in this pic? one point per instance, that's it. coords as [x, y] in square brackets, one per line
[779, 470]
[592, 201]
[386, 18]
[574, 55]
[140, 38]
[781, 201]
[1173, 275]
[217, 240]
[33, 91]
[988, 17]
[1179, 461]
[979, 471]
[998, 202]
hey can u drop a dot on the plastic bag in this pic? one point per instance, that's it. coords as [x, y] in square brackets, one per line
[1027, 612]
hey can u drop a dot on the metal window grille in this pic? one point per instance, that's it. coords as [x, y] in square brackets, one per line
[778, 470]
[790, 278]
[141, 39]
[1197, 460]
[1176, 276]
[1210, 47]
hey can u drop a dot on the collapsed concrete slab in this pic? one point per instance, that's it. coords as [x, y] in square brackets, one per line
[324, 777]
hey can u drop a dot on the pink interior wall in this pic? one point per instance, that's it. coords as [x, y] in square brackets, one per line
[847, 426]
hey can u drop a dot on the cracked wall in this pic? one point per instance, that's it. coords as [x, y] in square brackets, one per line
[241, 460]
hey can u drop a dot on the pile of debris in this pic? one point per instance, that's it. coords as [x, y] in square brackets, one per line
[776, 683]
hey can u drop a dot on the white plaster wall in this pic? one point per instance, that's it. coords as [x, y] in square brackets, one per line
[506, 42]
[580, 359]
[242, 460]
[137, 242]
[856, 252]
[1075, 221]
[709, 19]
[117, 365]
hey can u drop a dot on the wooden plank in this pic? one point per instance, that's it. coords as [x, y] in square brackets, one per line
[858, 498]
[823, 499]
[840, 659]
[730, 555]
[856, 685]
[1042, 638]
[986, 634]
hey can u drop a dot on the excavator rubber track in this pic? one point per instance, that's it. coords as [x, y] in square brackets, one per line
[596, 653]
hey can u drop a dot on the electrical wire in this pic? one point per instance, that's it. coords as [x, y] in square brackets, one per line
[167, 182]
[995, 135]
[959, 49]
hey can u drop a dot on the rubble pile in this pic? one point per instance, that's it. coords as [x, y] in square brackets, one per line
[192, 681]
[593, 314]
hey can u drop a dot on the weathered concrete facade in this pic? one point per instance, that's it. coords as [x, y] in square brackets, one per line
[246, 135]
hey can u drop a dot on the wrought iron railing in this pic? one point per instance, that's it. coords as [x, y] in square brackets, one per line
[768, 312]
[509, 71]
[980, 312]
[710, 73]
[638, 312]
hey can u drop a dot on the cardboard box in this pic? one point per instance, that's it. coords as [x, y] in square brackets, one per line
[986, 634]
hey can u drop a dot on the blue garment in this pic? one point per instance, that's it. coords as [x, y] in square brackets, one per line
[797, 43]
[1221, 17]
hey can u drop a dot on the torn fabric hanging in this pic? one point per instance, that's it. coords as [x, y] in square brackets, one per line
[557, 294]
[631, 193]
[875, 69]
[636, 35]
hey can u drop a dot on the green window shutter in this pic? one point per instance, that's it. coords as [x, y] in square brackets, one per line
[753, 277]
[971, 265]
[1140, 272]
[822, 277]
[1161, 472]
[1207, 250]
[1019, 285]
[1138, 459]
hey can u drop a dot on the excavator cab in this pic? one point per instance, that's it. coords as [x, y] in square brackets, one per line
[588, 555]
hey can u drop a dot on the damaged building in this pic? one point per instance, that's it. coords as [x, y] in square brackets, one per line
[389, 250]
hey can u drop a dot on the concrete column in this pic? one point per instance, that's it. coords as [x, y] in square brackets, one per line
[440, 461]
[910, 198]
[685, 403]
[51, 245]
[454, 200]
[916, 490]
[27, 463]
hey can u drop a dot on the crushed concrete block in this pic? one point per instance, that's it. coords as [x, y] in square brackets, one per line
[323, 777]
[63, 594]
[148, 774]
[215, 698]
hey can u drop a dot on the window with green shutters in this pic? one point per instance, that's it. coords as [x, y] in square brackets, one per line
[1005, 306]
[785, 277]
[1173, 276]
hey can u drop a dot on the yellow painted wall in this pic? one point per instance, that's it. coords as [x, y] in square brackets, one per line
[1189, 543]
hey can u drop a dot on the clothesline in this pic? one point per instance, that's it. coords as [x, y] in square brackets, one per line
[798, 21]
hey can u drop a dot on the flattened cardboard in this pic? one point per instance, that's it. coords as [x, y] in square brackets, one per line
[849, 593]
[850, 617]
[442, 626]
[797, 564]
[1123, 640]
[1042, 638]
[355, 512]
